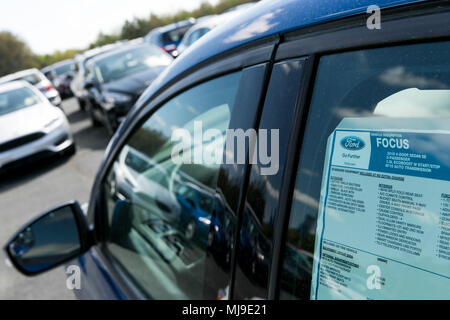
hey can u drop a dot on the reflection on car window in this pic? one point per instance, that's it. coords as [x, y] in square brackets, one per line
[17, 99]
[31, 79]
[132, 61]
[404, 81]
[159, 211]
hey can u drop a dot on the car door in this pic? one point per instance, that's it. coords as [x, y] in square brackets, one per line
[374, 230]
[154, 218]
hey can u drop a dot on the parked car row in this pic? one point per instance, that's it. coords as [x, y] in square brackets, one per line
[106, 82]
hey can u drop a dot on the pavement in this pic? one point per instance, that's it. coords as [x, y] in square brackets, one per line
[33, 189]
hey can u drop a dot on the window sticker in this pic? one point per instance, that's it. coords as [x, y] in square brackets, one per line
[383, 228]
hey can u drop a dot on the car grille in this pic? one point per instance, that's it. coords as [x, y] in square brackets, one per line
[9, 145]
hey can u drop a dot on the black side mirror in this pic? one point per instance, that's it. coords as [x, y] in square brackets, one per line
[88, 85]
[55, 237]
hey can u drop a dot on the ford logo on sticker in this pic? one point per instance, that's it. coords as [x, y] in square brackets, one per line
[352, 143]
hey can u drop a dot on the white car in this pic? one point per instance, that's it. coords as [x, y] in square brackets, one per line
[30, 126]
[39, 80]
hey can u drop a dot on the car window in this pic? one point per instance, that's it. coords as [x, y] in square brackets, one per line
[380, 230]
[254, 248]
[63, 69]
[197, 34]
[159, 209]
[31, 79]
[14, 100]
[174, 36]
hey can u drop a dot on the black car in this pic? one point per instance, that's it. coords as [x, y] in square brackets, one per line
[61, 75]
[116, 79]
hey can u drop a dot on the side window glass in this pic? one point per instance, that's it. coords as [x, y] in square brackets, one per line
[373, 224]
[159, 209]
[254, 248]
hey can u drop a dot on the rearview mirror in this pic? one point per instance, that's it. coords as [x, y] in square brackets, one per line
[50, 240]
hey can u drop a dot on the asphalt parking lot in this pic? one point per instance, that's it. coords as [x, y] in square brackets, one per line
[30, 190]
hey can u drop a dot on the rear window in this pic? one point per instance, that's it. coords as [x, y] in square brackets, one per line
[63, 69]
[17, 99]
[31, 79]
[174, 36]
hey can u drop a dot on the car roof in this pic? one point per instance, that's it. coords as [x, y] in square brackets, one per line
[264, 19]
[8, 86]
[97, 51]
[173, 26]
[20, 74]
[125, 47]
[215, 20]
[60, 63]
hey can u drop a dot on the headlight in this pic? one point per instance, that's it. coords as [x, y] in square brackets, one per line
[113, 97]
[52, 124]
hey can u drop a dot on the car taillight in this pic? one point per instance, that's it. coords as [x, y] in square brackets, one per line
[47, 88]
[169, 48]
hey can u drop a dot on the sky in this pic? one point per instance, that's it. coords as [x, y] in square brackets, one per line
[49, 25]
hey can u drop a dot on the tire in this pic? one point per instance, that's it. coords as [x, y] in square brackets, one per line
[111, 123]
[81, 104]
[94, 121]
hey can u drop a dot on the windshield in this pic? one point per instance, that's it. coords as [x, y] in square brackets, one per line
[17, 99]
[63, 69]
[126, 63]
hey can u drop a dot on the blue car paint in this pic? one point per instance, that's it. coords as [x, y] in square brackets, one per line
[268, 17]
[188, 213]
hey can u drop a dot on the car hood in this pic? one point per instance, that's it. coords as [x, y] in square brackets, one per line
[27, 120]
[136, 83]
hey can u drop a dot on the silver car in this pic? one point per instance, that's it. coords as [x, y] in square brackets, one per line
[30, 126]
[36, 78]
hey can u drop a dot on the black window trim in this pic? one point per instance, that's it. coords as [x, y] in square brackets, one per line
[235, 60]
[405, 25]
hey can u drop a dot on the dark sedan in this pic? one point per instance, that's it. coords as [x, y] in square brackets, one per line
[61, 75]
[116, 79]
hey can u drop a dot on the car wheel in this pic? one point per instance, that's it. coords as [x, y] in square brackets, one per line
[189, 232]
[111, 123]
[95, 122]
[81, 104]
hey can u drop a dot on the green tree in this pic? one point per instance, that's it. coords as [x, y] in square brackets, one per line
[14, 54]
[139, 27]
[48, 59]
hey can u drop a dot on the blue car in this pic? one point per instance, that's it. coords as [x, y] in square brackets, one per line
[279, 224]
[169, 37]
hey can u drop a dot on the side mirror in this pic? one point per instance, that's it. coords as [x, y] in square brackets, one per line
[88, 85]
[55, 237]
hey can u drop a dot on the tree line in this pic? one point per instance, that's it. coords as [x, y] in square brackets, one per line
[15, 55]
